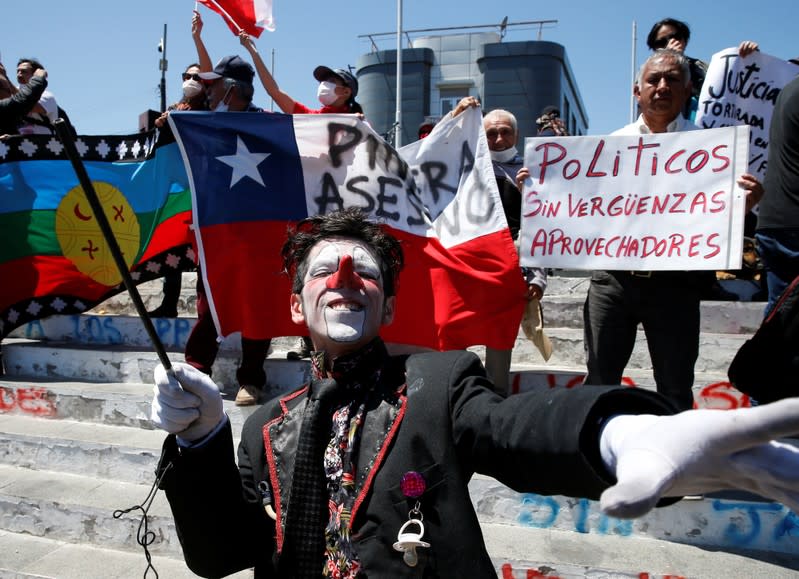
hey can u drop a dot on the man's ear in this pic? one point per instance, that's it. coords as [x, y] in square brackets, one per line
[388, 310]
[297, 315]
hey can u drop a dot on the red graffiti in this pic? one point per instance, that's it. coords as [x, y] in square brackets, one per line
[33, 400]
[508, 573]
[723, 396]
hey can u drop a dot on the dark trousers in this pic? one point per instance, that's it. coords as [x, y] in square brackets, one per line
[779, 251]
[666, 305]
[203, 345]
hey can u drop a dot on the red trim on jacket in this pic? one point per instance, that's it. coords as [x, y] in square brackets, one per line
[380, 455]
[270, 461]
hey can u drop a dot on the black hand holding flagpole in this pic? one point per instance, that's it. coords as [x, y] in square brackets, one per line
[102, 220]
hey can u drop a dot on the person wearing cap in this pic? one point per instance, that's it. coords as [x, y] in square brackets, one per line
[337, 87]
[228, 87]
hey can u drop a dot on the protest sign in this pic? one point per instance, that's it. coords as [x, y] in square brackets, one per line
[742, 91]
[664, 201]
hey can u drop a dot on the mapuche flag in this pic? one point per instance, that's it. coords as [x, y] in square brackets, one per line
[254, 174]
[53, 257]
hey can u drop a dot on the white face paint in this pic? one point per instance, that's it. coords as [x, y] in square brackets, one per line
[342, 300]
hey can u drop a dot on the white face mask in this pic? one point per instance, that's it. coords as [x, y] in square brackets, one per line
[191, 88]
[326, 93]
[504, 156]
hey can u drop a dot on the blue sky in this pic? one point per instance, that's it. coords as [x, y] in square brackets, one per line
[103, 61]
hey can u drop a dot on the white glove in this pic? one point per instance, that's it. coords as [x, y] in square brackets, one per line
[192, 411]
[699, 451]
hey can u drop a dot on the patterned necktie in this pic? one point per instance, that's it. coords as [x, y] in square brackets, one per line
[306, 518]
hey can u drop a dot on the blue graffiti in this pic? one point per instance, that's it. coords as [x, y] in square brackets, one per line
[534, 516]
[788, 527]
[734, 533]
[534, 501]
[34, 330]
[182, 331]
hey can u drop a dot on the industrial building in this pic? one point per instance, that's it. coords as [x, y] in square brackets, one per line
[439, 70]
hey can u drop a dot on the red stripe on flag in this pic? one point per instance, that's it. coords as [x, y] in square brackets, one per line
[43, 275]
[246, 287]
[171, 232]
[453, 298]
[241, 11]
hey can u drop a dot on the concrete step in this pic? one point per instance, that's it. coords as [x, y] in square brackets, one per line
[79, 508]
[93, 403]
[44, 360]
[125, 328]
[120, 453]
[594, 556]
[537, 553]
[735, 522]
[128, 357]
[27, 556]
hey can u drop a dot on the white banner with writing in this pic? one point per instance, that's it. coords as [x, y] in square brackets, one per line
[666, 201]
[742, 91]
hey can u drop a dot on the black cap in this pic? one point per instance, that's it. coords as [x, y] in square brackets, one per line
[322, 73]
[231, 67]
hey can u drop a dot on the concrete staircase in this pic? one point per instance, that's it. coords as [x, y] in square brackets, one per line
[76, 447]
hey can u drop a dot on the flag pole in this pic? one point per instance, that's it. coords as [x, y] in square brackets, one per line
[633, 116]
[108, 234]
[398, 115]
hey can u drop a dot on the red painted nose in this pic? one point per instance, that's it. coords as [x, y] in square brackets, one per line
[345, 277]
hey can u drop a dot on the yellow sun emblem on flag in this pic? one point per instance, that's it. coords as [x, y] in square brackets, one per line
[81, 239]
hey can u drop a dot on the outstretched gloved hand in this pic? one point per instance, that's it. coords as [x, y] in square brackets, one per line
[187, 403]
[699, 451]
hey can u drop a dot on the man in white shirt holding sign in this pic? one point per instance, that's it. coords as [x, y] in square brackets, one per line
[665, 303]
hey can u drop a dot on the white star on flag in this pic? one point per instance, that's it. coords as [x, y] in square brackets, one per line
[244, 163]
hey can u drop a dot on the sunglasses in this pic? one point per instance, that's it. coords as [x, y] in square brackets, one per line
[195, 76]
[663, 42]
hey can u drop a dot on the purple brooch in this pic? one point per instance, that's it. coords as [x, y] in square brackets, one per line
[412, 484]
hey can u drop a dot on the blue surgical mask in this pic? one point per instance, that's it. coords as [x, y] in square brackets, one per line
[222, 106]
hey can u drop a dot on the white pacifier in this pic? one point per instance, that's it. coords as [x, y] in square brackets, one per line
[407, 543]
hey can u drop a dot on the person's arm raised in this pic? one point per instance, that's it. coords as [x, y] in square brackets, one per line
[282, 100]
[196, 34]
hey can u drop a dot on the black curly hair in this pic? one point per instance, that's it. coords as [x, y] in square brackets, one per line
[350, 223]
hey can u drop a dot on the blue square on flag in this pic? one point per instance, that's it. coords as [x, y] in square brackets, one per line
[243, 166]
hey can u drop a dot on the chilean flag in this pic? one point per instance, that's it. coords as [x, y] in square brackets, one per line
[252, 175]
[252, 16]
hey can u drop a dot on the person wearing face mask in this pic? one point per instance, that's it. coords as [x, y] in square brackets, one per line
[502, 134]
[193, 99]
[336, 92]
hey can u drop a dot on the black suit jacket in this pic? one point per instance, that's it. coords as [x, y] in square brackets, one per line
[435, 415]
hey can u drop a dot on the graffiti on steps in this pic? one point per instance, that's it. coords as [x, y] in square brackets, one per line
[35, 401]
[718, 395]
[508, 572]
[109, 330]
[736, 523]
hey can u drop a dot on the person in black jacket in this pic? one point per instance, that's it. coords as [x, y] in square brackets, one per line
[15, 104]
[396, 440]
